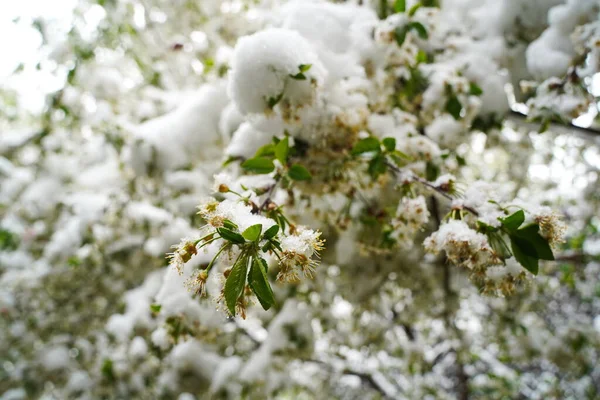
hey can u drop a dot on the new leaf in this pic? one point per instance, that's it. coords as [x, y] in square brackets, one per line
[513, 221]
[234, 286]
[271, 232]
[259, 283]
[366, 145]
[260, 165]
[231, 236]
[282, 150]
[299, 173]
[252, 233]
[520, 248]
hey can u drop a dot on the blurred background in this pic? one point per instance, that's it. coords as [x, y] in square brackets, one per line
[84, 228]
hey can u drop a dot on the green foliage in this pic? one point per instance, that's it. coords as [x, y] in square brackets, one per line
[299, 173]
[389, 143]
[252, 234]
[259, 165]
[400, 6]
[74, 261]
[271, 232]
[412, 87]
[541, 248]
[302, 68]
[272, 101]
[262, 163]
[474, 89]
[231, 236]
[107, 370]
[235, 283]
[266, 150]
[282, 149]
[413, 9]
[454, 106]
[432, 171]
[377, 166]
[527, 245]
[513, 221]
[401, 31]
[259, 283]
[520, 248]
[8, 240]
[230, 225]
[485, 123]
[155, 308]
[366, 145]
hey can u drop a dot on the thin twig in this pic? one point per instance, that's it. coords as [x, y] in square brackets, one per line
[438, 190]
[268, 199]
[364, 376]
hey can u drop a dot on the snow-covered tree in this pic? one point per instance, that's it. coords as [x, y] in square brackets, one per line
[371, 199]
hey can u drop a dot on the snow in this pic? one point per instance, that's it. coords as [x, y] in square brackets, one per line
[261, 68]
[55, 358]
[551, 54]
[188, 131]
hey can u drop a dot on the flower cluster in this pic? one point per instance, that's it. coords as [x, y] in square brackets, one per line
[552, 228]
[297, 252]
[463, 246]
[411, 216]
[236, 227]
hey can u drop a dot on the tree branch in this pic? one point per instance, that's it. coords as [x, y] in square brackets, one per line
[521, 118]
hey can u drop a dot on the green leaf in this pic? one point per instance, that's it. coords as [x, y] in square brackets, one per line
[229, 160]
[421, 57]
[74, 261]
[8, 240]
[454, 107]
[498, 243]
[231, 236]
[475, 90]
[400, 6]
[234, 286]
[272, 101]
[401, 31]
[260, 165]
[252, 233]
[542, 248]
[299, 76]
[366, 145]
[389, 143]
[485, 228]
[271, 232]
[266, 150]
[267, 246]
[155, 308]
[276, 244]
[400, 154]
[432, 171]
[414, 9]
[421, 30]
[377, 166]
[513, 221]
[107, 369]
[230, 225]
[282, 150]
[400, 34]
[520, 248]
[299, 173]
[259, 283]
